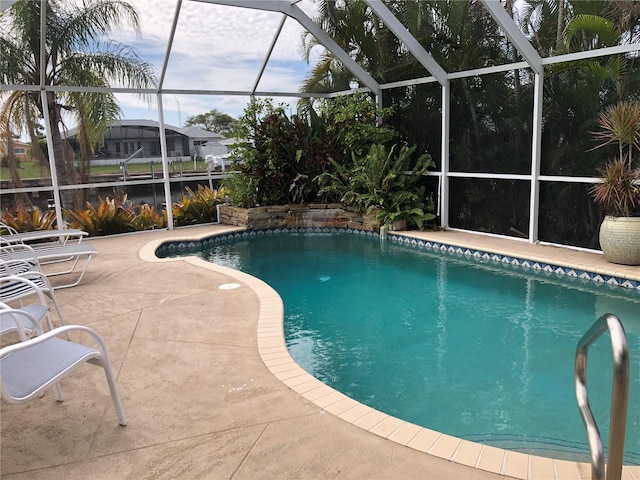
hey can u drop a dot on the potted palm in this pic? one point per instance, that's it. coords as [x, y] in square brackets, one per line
[618, 192]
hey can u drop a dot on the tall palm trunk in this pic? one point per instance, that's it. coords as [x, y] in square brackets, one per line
[86, 152]
[560, 27]
[517, 87]
[36, 151]
[62, 172]
[21, 199]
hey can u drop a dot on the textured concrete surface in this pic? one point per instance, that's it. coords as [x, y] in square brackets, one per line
[200, 402]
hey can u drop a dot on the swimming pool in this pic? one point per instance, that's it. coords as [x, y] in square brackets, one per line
[451, 316]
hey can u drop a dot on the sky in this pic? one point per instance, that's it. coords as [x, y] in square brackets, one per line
[215, 47]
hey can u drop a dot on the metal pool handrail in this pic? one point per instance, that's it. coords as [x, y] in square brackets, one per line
[619, 396]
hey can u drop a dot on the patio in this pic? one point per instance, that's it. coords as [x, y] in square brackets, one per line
[199, 399]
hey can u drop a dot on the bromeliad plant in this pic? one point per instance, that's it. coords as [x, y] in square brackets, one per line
[114, 215]
[111, 217]
[28, 218]
[198, 207]
[147, 218]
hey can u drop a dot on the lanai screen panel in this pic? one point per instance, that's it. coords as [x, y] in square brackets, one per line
[491, 124]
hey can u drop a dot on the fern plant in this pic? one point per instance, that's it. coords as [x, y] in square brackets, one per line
[385, 182]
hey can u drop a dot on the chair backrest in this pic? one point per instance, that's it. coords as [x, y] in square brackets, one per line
[13, 252]
[8, 247]
[15, 287]
[18, 267]
[17, 320]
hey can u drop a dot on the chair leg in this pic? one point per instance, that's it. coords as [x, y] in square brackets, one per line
[58, 392]
[113, 389]
[52, 297]
[49, 321]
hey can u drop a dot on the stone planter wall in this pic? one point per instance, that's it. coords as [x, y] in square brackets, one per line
[323, 215]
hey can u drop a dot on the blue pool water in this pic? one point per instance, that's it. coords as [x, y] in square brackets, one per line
[476, 350]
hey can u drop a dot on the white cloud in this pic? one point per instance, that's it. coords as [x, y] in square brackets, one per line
[217, 48]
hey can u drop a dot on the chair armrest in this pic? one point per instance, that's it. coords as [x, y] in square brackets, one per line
[11, 247]
[4, 351]
[35, 324]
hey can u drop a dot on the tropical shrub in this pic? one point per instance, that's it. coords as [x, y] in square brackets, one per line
[354, 123]
[198, 207]
[111, 217]
[619, 193]
[28, 218]
[268, 148]
[242, 190]
[283, 156]
[147, 218]
[385, 182]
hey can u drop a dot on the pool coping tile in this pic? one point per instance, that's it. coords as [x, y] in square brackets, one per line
[468, 453]
[330, 399]
[516, 465]
[492, 459]
[424, 440]
[405, 433]
[277, 361]
[318, 392]
[370, 420]
[354, 413]
[631, 472]
[295, 381]
[566, 470]
[541, 467]
[310, 384]
[387, 426]
[341, 406]
[445, 447]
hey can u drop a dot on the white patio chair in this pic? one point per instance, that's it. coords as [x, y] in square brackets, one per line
[51, 254]
[13, 320]
[57, 236]
[28, 368]
[30, 287]
[19, 267]
[25, 322]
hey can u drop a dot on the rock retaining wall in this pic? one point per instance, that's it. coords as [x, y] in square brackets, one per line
[331, 215]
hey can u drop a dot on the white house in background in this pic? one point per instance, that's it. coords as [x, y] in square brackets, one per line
[126, 137]
[218, 155]
[215, 147]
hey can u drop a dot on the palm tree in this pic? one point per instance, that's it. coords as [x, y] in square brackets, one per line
[76, 54]
[352, 26]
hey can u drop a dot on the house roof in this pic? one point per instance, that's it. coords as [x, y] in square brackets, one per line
[191, 132]
[197, 132]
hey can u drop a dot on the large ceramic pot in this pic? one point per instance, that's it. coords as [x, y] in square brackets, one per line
[620, 239]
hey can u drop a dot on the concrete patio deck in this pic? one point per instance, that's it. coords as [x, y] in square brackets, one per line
[200, 400]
